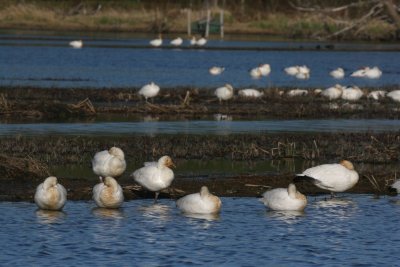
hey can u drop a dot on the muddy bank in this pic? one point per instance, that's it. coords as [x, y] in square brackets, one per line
[36, 104]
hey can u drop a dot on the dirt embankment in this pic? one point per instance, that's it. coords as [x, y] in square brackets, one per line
[34, 104]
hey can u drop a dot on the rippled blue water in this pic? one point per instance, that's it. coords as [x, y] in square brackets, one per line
[199, 127]
[358, 230]
[127, 63]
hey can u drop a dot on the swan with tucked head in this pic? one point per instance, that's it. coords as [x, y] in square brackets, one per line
[156, 42]
[284, 199]
[224, 93]
[108, 193]
[50, 195]
[109, 162]
[76, 44]
[149, 90]
[337, 73]
[200, 203]
[333, 177]
[155, 176]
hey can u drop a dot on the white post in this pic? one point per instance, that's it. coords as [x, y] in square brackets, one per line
[189, 22]
[221, 23]
[208, 23]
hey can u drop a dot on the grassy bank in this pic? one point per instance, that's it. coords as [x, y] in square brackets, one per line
[277, 19]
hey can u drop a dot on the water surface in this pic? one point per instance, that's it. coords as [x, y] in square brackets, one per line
[357, 230]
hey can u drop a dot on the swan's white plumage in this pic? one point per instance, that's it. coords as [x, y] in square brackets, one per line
[200, 203]
[156, 42]
[333, 177]
[394, 95]
[373, 73]
[216, 70]
[332, 93]
[50, 195]
[224, 93]
[155, 176]
[265, 69]
[255, 73]
[359, 73]
[352, 93]
[177, 41]
[149, 90]
[396, 185]
[76, 44]
[293, 70]
[284, 199]
[202, 41]
[109, 162]
[337, 73]
[297, 92]
[377, 95]
[108, 194]
[249, 92]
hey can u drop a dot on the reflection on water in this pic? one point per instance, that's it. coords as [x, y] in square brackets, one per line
[333, 232]
[207, 217]
[50, 216]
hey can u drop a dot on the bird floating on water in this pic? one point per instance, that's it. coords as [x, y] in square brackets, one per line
[200, 203]
[149, 90]
[50, 195]
[156, 42]
[76, 44]
[367, 72]
[333, 177]
[177, 41]
[284, 199]
[337, 73]
[216, 70]
[108, 193]
[109, 162]
[201, 42]
[155, 176]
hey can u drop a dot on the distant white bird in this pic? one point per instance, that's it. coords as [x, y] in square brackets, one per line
[394, 95]
[333, 93]
[377, 95]
[332, 177]
[373, 73]
[250, 93]
[265, 69]
[216, 70]
[303, 72]
[177, 41]
[193, 40]
[200, 203]
[109, 162]
[155, 176]
[337, 73]
[108, 193]
[76, 44]
[255, 73]
[224, 93]
[317, 91]
[284, 199]
[360, 72]
[149, 90]
[352, 93]
[293, 70]
[201, 42]
[297, 92]
[396, 185]
[156, 42]
[50, 195]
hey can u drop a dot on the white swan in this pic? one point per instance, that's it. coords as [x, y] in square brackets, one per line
[155, 176]
[76, 44]
[396, 185]
[250, 93]
[224, 93]
[177, 41]
[201, 42]
[50, 195]
[193, 40]
[156, 42]
[216, 70]
[255, 73]
[293, 70]
[109, 162]
[333, 93]
[297, 92]
[360, 73]
[108, 193]
[303, 72]
[332, 177]
[394, 95]
[377, 95]
[337, 73]
[200, 203]
[149, 90]
[284, 199]
[265, 69]
[373, 73]
[352, 93]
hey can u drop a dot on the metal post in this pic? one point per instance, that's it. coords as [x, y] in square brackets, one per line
[208, 23]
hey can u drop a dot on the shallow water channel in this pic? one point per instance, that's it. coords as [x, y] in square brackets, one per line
[357, 230]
